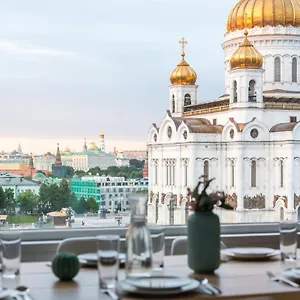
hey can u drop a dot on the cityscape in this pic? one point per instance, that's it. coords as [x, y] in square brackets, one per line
[246, 139]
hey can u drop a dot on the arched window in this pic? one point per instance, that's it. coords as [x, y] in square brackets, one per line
[187, 99]
[234, 91]
[281, 173]
[277, 69]
[232, 174]
[251, 91]
[206, 170]
[253, 173]
[173, 104]
[294, 70]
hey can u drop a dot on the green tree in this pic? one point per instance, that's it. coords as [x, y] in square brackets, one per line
[49, 198]
[74, 202]
[139, 164]
[65, 193]
[10, 203]
[2, 198]
[28, 201]
[70, 172]
[79, 173]
[91, 205]
[81, 206]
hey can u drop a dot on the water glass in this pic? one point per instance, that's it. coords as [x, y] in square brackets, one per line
[158, 246]
[108, 260]
[10, 253]
[288, 240]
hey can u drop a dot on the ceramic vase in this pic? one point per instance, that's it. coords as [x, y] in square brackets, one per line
[203, 242]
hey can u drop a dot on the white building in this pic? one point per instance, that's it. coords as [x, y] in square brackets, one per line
[108, 191]
[89, 158]
[18, 184]
[249, 138]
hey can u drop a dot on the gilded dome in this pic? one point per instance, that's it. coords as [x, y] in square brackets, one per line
[246, 56]
[261, 13]
[183, 73]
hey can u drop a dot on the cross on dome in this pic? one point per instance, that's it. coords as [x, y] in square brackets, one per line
[183, 42]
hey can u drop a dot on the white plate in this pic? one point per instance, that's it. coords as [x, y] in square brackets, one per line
[250, 253]
[159, 282]
[4, 294]
[125, 287]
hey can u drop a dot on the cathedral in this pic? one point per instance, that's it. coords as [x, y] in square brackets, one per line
[247, 139]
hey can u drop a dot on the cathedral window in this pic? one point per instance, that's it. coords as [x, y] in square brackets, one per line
[251, 91]
[253, 173]
[294, 70]
[277, 70]
[232, 174]
[281, 173]
[206, 169]
[185, 174]
[187, 99]
[173, 103]
[234, 91]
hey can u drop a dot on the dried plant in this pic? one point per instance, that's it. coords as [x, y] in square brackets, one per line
[204, 202]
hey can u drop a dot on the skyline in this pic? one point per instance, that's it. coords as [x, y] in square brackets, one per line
[92, 66]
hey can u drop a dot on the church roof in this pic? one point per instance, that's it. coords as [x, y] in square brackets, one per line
[196, 125]
[284, 127]
[201, 125]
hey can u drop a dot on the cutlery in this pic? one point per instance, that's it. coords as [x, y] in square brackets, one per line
[205, 289]
[209, 285]
[282, 279]
[109, 292]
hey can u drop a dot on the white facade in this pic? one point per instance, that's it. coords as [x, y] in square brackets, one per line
[248, 140]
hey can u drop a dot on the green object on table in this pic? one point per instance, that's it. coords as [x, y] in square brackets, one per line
[65, 265]
[203, 242]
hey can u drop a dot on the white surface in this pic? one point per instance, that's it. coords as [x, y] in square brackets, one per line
[250, 253]
[160, 283]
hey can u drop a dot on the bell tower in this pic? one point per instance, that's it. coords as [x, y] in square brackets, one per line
[183, 91]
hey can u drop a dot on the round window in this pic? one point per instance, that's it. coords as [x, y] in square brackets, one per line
[231, 133]
[155, 137]
[185, 134]
[169, 132]
[254, 133]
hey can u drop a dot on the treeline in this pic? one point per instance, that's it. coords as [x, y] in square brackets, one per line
[51, 197]
[135, 170]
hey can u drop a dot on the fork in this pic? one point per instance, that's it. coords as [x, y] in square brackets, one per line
[207, 284]
[281, 278]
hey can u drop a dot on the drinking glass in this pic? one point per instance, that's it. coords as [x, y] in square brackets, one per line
[158, 247]
[288, 240]
[108, 260]
[11, 253]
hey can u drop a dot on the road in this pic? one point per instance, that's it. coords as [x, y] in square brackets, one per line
[97, 222]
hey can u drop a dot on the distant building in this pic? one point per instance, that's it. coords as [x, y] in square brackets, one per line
[58, 169]
[18, 184]
[132, 154]
[108, 191]
[17, 162]
[88, 158]
[145, 169]
[121, 159]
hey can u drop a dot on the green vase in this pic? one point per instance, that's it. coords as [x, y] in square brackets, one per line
[203, 242]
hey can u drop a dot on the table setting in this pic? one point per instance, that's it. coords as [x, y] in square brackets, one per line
[145, 272]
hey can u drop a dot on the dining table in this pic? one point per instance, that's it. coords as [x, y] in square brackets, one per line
[236, 279]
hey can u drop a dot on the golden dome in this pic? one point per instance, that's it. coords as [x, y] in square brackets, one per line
[183, 73]
[261, 13]
[246, 56]
[101, 135]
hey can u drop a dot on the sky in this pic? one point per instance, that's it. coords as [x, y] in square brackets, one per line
[70, 69]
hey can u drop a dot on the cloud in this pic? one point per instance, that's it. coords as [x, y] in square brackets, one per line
[13, 47]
